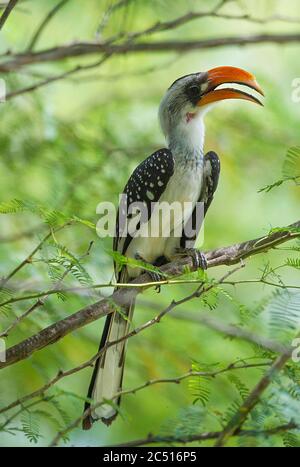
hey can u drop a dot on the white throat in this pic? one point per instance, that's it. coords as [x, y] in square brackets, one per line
[186, 139]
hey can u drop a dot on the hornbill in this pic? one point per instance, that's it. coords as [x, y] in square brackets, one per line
[180, 172]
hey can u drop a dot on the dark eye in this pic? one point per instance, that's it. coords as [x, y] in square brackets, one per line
[193, 93]
[194, 90]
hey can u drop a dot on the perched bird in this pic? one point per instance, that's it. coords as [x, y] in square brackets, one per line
[178, 173]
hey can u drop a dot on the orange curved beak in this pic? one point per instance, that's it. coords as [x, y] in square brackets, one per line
[229, 74]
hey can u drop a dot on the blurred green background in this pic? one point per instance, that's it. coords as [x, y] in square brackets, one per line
[74, 143]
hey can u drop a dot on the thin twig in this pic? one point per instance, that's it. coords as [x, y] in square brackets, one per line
[230, 255]
[40, 302]
[241, 415]
[64, 374]
[108, 13]
[226, 255]
[156, 439]
[264, 282]
[44, 23]
[26, 261]
[214, 13]
[18, 61]
[235, 331]
[10, 6]
[88, 411]
[52, 79]
[124, 285]
[16, 414]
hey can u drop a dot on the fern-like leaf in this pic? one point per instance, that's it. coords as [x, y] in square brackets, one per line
[283, 312]
[239, 385]
[200, 385]
[290, 170]
[293, 262]
[5, 295]
[290, 440]
[291, 165]
[188, 422]
[30, 426]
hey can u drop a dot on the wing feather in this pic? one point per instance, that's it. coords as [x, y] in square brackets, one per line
[146, 185]
[211, 174]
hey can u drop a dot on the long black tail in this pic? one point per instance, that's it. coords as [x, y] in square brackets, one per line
[107, 376]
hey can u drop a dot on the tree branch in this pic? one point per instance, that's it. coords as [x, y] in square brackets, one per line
[10, 6]
[108, 13]
[26, 261]
[214, 13]
[176, 380]
[235, 331]
[241, 415]
[44, 23]
[152, 439]
[89, 48]
[222, 256]
[28, 258]
[54, 78]
[41, 301]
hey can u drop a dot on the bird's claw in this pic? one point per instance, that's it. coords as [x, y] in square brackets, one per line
[198, 258]
[155, 277]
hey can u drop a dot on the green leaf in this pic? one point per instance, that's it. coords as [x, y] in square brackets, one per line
[122, 260]
[290, 170]
[12, 206]
[290, 440]
[268, 188]
[68, 261]
[291, 165]
[283, 314]
[188, 422]
[30, 426]
[5, 294]
[240, 386]
[85, 222]
[51, 419]
[231, 411]
[288, 228]
[200, 385]
[64, 415]
[52, 217]
[293, 262]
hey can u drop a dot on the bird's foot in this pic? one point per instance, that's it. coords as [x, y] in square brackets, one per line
[198, 258]
[155, 276]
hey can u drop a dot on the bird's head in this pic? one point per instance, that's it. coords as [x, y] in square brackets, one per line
[191, 96]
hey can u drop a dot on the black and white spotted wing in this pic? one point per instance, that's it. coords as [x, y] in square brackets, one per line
[211, 173]
[146, 185]
[212, 169]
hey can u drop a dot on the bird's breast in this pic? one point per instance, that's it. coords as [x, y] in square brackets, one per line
[162, 233]
[184, 186]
